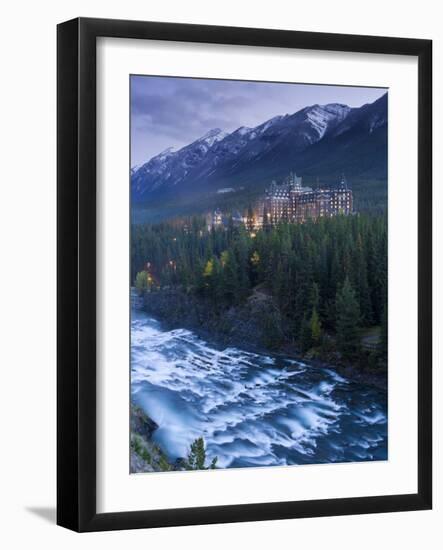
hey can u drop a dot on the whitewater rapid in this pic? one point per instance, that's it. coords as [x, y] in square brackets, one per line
[252, 409]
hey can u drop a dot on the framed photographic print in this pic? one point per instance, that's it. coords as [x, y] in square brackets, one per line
[244, 274]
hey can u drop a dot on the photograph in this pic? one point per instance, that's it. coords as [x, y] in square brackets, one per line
[258, 274]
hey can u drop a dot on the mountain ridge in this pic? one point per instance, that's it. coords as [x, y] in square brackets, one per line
[318, 141]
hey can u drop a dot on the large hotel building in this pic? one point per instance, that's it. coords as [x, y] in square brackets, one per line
[292, 203]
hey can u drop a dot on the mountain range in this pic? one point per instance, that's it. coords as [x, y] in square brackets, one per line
[319, 142]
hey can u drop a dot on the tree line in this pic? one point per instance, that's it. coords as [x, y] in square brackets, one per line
[328, 277]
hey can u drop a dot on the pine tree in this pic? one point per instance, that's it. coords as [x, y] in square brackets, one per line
[384, 334]
[305, 335]
[314, 297]
[315, 326]
[230, 282]
[209, 268]
[362, 286]
[348, 321]
[254, 261]
[141, 281]
[241, 250]
[197, 456]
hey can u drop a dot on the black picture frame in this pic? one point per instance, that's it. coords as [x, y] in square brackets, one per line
[76, 282]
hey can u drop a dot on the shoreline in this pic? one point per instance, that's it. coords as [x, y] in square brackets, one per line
[378, 379]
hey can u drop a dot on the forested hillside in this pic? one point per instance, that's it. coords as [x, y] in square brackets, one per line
[327, 278]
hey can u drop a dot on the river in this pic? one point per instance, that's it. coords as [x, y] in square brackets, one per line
[252, 409]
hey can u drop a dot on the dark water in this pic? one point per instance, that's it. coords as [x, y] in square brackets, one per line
[252, 409]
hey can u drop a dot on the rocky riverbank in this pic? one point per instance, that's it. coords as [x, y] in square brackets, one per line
[146, 456]
[255, 325]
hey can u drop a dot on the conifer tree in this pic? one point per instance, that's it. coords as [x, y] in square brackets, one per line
[348, 321]
[315, 328]
[230, 282]
[254, 267]
[362, 283]
[197, 456]
[141, 281]
[305, 336]
[384, 334]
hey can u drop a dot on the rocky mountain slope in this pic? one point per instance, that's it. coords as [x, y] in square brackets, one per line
[319, 142]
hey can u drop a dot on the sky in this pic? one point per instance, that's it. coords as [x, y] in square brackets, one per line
[173, 112]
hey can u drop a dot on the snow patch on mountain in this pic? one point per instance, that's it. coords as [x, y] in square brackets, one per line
[321, 116]
[242, 131]
[166, 152]
[375, 123]
[211, 137]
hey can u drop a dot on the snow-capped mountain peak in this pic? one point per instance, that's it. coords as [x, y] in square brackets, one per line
[224, 158]
[212, 136]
